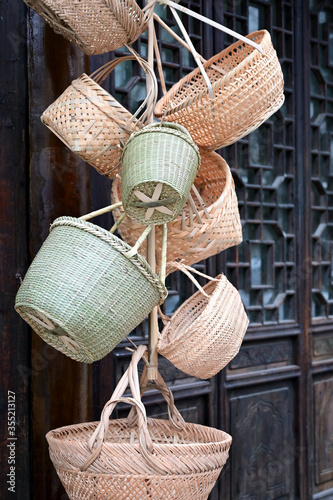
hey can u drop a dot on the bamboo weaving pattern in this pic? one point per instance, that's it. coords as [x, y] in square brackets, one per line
[92, 123]
[96, 26]
[206, 332]
[247, 89]
[138, 458]
[82, 294]
[195, 236]
[160, 159]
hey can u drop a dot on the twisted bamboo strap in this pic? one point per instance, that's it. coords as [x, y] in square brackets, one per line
[131, 378]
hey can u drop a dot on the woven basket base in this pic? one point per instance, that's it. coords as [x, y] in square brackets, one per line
[144, 215]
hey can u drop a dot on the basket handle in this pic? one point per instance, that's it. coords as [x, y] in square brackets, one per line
[187, 270]
[212, 23]
[103, 72]
[175, 417]
[130, 378]
[141, 239]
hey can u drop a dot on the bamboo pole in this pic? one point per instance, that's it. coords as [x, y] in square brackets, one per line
[153, 317]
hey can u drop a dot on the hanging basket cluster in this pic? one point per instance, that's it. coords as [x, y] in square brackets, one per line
[87, 289]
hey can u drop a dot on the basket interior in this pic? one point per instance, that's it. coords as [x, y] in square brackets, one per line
[186, 315]
[217, 68]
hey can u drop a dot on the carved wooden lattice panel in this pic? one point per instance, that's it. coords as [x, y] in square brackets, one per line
[321, 114]
[263, 267]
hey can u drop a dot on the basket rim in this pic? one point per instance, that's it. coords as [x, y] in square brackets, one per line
[164, 129]
[226, 438]
[137, 260]
[80, 82]
[254, 54]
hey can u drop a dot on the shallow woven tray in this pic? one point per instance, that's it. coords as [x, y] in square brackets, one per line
[96, 26]
[247, 87]
[191, 239]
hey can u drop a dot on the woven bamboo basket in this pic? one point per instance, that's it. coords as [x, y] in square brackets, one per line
[138, 458]
[206, 331]
[208, 224]
[96, 26]
[92, 123]
[84, 292]
[159, 165]
[246, 89]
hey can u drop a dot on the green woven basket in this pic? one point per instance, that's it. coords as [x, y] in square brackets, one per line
[159, 165]
[82, 294]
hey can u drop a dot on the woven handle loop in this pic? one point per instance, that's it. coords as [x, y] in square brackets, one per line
[104, 71]
[175, 417]
[131, 378]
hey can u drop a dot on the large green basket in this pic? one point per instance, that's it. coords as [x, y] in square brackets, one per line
[159, 165]
[82, 294]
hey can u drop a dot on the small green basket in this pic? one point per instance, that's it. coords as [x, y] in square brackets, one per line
[85, 291]
[159, 165]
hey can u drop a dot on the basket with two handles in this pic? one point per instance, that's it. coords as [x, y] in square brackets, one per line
[137, 457]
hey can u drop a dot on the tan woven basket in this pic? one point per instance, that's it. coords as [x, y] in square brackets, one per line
[138, 458]
[96, 26]
[206, 331]
[92, 123]
[209, 223]
[246, 89]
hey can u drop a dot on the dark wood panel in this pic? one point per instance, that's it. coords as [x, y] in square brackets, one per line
[270, 354]
[322, 346]
[264, 453]
[15, 365]
[323, 431]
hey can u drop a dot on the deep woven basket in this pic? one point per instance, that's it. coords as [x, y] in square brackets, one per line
[92, 123]
[159, 165]
[96, 26]
[206, 332]
[82, 295]
[247, 88]
[192, 237]
[138, 458]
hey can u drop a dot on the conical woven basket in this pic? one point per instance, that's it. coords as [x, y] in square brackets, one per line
[82, 294]
[96, 26]
[206, 331]
[206, 227]
[159, 165]
[92, 123]
[247, 89]
[138, 458]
